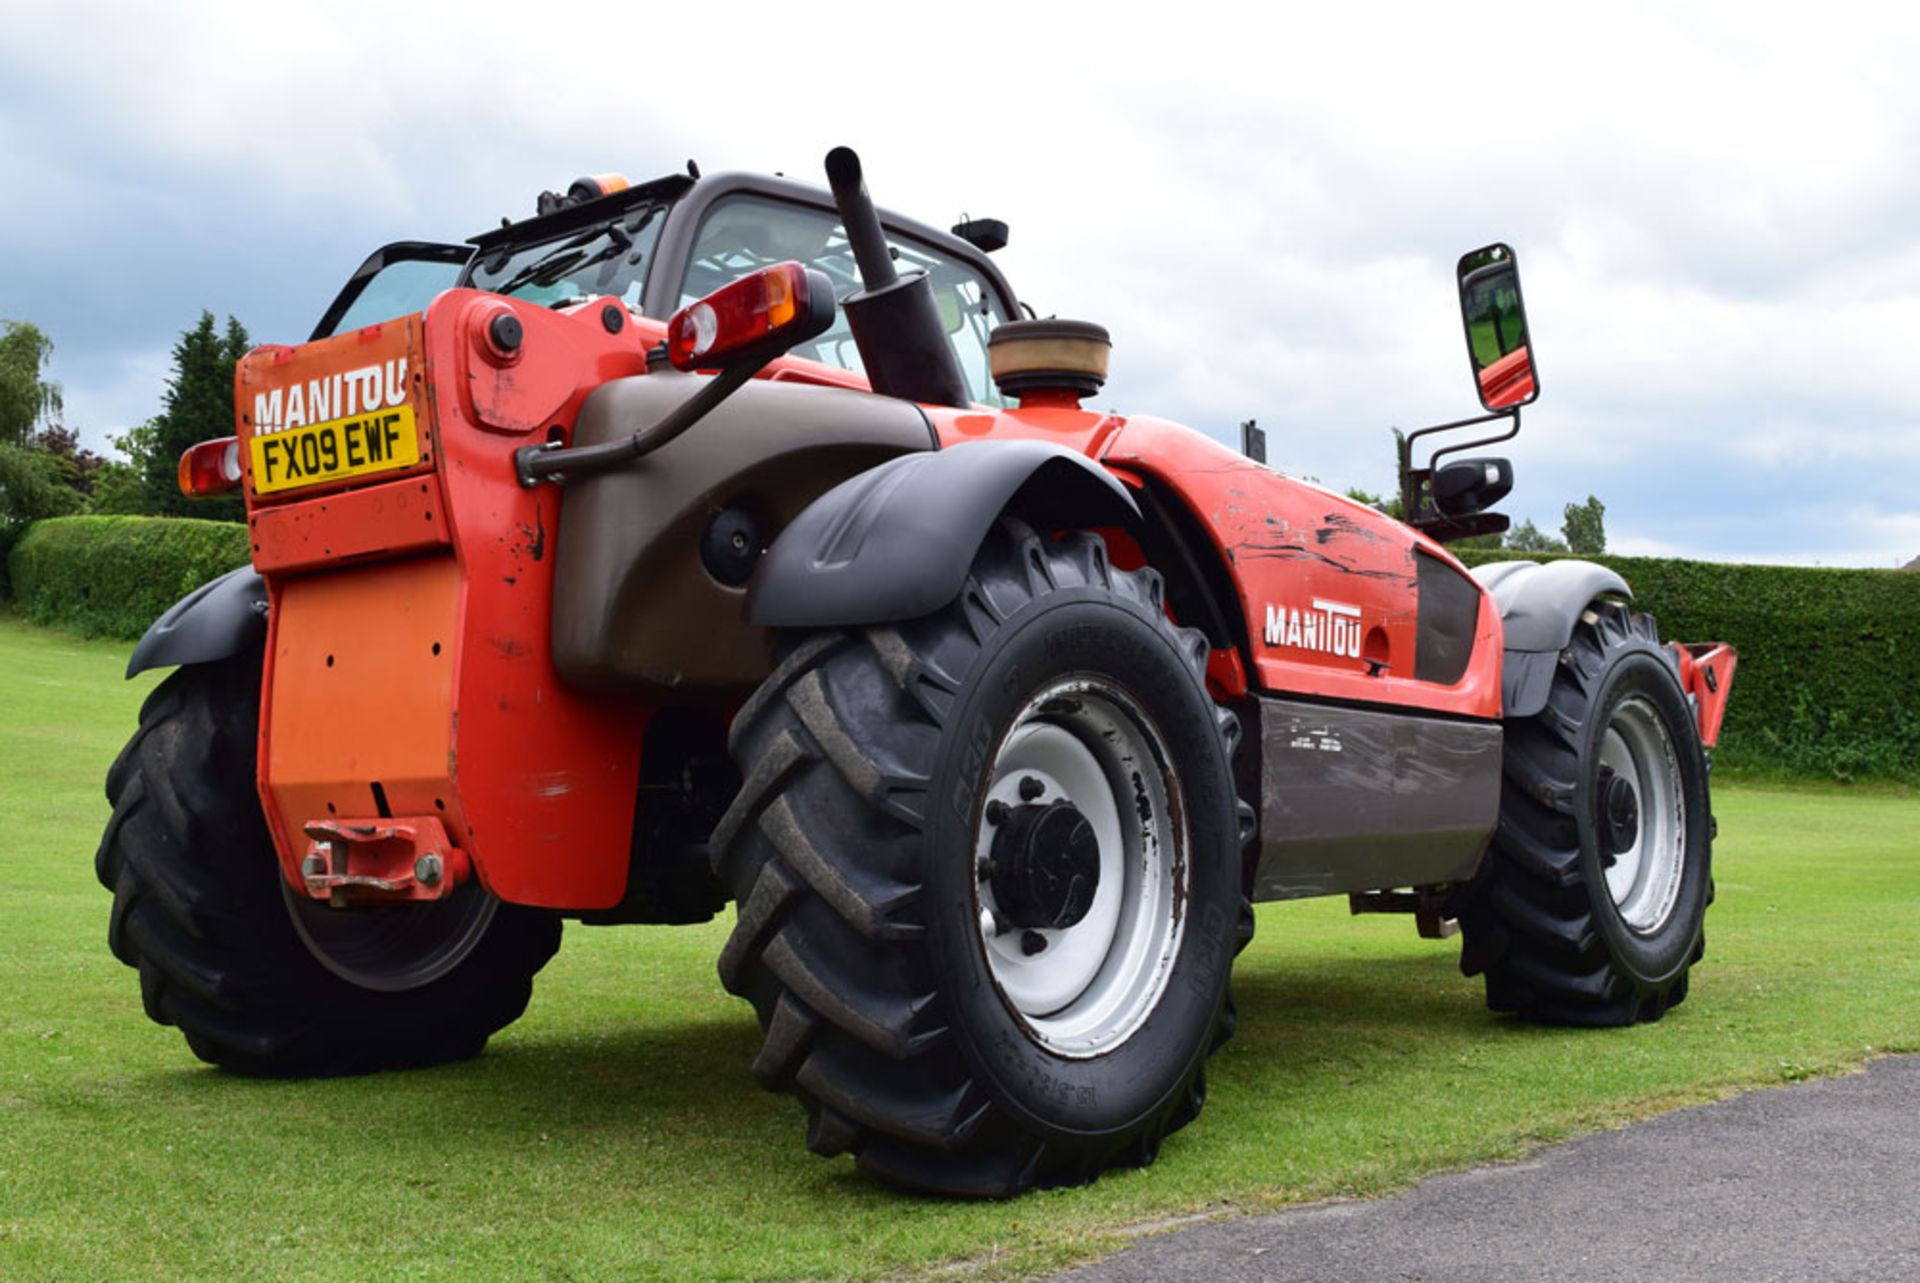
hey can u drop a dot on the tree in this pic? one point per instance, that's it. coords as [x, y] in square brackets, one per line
[27, 397]
[79, 464]
[198, 407]
[33, 482]
[32, 486]
[1526, 537]
[1586, 527]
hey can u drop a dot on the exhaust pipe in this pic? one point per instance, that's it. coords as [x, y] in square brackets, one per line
[895, 322]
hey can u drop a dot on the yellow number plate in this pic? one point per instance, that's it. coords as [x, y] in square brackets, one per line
[317, 452]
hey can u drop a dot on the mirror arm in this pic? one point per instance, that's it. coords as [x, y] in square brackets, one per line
[1510, 433]
[552, 462]
[1410, 507]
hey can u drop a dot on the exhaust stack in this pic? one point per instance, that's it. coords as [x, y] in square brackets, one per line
[895, 323]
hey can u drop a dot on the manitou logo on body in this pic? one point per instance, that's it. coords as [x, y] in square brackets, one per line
[332, 396]
[1328, 628]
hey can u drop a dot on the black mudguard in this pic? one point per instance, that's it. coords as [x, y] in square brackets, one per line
[896, 541]
[1539, 605]
[219, 619]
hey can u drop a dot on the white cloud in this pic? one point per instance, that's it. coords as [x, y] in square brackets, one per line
[1713, 203]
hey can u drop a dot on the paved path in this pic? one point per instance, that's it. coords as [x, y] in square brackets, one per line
[1817, 1182]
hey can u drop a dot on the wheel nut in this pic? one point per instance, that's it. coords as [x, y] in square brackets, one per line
[427, 869]
[997, 812]
[1031, 788]
[1032, 942]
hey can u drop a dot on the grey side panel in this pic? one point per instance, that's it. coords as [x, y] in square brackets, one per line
[635, 610]
[219, 619]
[1539, 604]
[1355, 800]
[896, 542]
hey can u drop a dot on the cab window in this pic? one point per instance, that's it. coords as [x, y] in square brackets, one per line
[741, 234]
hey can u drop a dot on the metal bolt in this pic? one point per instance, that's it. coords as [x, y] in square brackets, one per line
[314, 866]
[1032, 942]
[997, 812]
[1031, 788]
[983, 868]
[427, 869]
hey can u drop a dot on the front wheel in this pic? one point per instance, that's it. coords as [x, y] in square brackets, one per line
[987, 866]
[1591, 904]
[262, 981]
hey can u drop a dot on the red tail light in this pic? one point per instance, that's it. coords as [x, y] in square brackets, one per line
[210, 468]
[758, 316]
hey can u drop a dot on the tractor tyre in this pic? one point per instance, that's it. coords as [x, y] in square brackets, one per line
[1589, 909]
[987, 867]
[262, 981]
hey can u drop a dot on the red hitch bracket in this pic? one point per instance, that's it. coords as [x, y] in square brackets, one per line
[1706, 671]
[410, 858]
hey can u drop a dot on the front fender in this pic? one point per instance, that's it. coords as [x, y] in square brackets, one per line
[896, 541]
[217, 620]
[1539, 606]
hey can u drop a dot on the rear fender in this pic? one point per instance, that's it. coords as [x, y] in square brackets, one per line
[896, 541]
[1539, 606]
[218, 620]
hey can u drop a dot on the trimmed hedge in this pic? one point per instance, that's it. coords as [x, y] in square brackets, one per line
[1828, 685]
[113, 576]
[1829, 678]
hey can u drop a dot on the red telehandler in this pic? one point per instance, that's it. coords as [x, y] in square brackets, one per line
[723, 539]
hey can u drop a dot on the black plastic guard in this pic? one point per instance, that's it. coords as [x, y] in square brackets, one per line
[217, 620]
[1539, 605]
[896, 541]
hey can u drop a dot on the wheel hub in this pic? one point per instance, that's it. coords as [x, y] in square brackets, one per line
[1081, 866]
[1619, 814]
[1046, 865]
[1640, 829]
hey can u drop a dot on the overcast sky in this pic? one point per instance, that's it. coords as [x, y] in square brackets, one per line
[1716, 208]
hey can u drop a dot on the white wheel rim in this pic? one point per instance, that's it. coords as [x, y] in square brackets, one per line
[1644, 879]
[1095, 982]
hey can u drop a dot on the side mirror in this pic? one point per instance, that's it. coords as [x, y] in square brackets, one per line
[1495, 316]
[1467, 486]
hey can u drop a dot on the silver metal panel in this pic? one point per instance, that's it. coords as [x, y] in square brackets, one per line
[1355, 800]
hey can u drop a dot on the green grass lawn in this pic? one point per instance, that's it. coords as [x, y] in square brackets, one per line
[616, 1132]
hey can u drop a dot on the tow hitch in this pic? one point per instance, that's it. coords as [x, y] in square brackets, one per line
[351, 861]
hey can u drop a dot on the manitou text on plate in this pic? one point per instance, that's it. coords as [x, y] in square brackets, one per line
[331, 396]
[1328, 628]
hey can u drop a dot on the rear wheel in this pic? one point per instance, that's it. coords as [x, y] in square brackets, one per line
[987, 866]
[1590, 908]
[260, 980]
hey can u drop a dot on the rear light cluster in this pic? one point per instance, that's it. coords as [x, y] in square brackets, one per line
[210, 468]
[760, 314]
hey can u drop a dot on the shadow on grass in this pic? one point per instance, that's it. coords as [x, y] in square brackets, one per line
[681, 1078]
[686, 1087]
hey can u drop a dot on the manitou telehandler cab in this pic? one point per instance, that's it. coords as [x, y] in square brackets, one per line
[722, 539]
